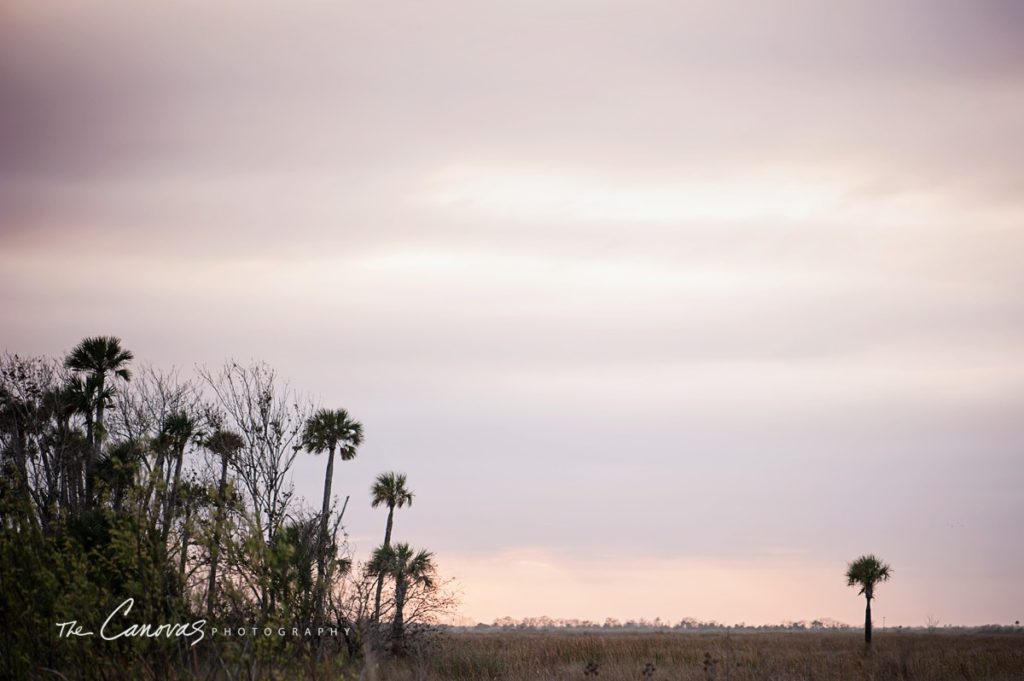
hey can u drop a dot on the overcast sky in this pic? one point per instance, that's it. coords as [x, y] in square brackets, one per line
[667, 309]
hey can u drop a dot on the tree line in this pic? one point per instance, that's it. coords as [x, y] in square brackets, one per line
[121, 481]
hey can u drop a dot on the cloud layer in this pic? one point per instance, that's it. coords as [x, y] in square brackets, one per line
[686, 284]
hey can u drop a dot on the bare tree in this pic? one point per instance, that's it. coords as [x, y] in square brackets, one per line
[149, 400]
[269, 417]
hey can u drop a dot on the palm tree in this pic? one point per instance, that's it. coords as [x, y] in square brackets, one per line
[81, 396]
[867, 572]
[407, 569]
[389, 489]
[176, 432]
[117, 468]
[98, 357]
[330, 430]
[225, 444]
[297, 547]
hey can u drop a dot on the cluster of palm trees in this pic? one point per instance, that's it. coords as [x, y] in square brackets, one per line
[97, 360]
[399, 562]
[96, 363]
[181, 489]
[335, 432]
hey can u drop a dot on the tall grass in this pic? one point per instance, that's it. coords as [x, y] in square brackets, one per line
[533, 656]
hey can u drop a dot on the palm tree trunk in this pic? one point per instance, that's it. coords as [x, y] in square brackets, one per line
[90, 437]
[20, 458]
[867, 624]
[215, 547]
[172, 500]
[380, 577]
[63, 492]
[97, 441]
[325, 511]
[398, 624]
[184, 543]
[156, 474]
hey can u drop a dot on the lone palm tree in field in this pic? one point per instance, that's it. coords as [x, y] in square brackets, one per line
[407, 569]
[225, 444]
[389, 490]
[99, 358]
[330, 430]
[867, 572]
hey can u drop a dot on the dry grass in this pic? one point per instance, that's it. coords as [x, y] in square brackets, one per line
[714, 657]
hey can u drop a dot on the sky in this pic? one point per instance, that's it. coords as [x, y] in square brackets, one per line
[667, 309]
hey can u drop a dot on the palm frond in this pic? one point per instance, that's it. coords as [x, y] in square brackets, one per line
[389, 489]
[867, 572]
[329, 429]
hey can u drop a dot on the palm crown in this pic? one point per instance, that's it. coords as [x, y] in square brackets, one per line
[100, 355]
[177, 429]
[402, 564]
[389, 490]
[96, 357]
[84, 393]
[332, 429]
[224, 443]
[867, 572]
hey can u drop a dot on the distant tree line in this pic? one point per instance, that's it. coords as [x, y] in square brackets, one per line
[690, 624]
[657, 624]
[120, 481]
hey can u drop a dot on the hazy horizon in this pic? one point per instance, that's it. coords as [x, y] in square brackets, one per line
[666, 309]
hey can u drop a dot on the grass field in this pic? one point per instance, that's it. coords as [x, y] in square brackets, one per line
[715, 657]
